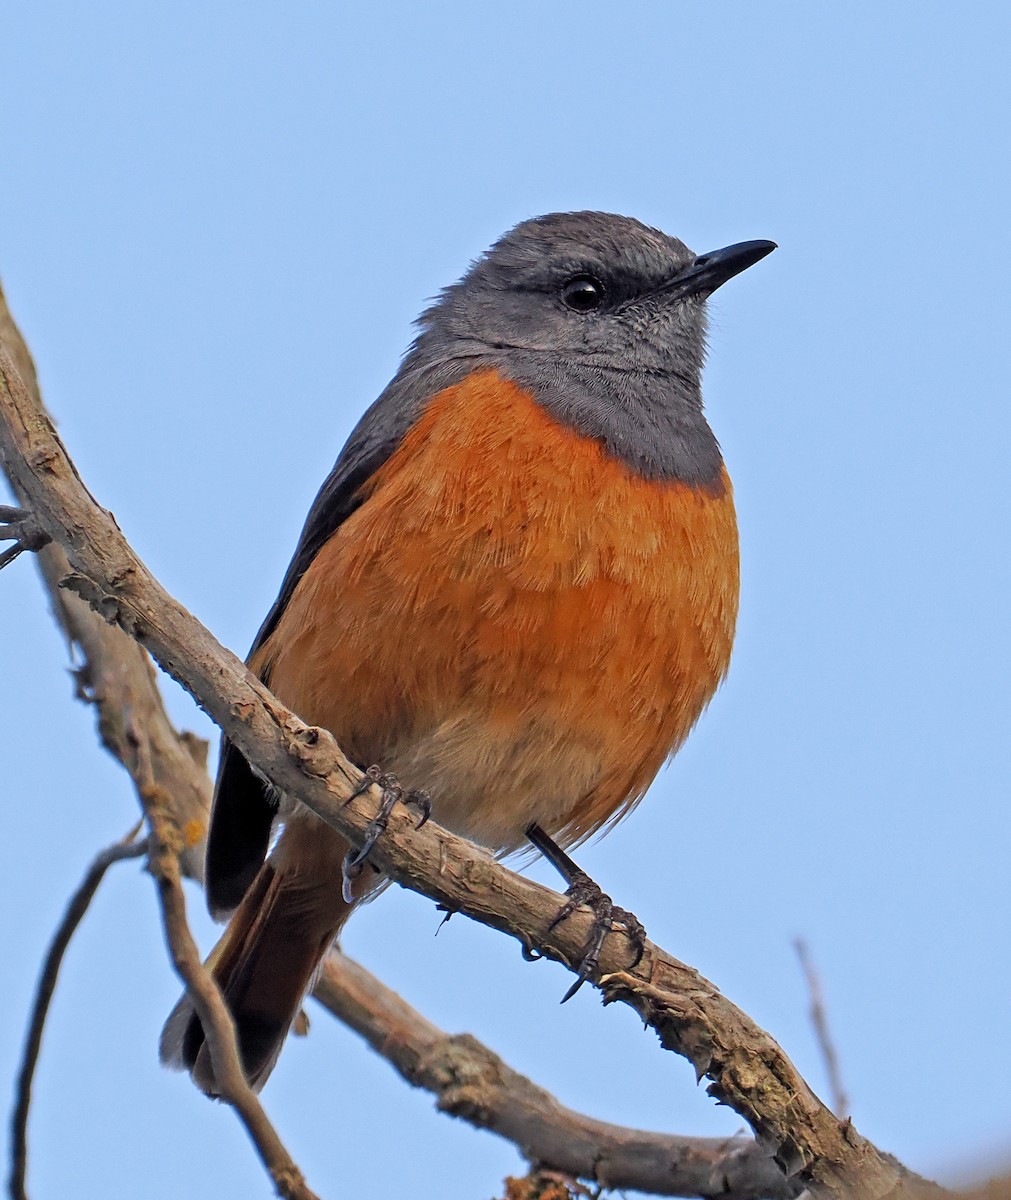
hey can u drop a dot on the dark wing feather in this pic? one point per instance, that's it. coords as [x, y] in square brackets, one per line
[244, 806]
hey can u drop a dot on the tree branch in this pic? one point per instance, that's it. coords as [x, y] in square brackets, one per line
[822, 1033]
[747, 1069]
[116, 674]
[219, 1029]
[78, 905]
[123, 690]
[470, 1081]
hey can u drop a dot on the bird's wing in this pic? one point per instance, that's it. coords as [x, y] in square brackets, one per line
[244, 804]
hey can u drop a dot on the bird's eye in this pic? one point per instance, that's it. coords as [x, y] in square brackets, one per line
[583, 293]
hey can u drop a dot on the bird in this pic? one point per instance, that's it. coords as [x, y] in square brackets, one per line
[512, 599]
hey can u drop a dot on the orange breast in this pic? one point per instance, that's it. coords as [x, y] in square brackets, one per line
[513, 620]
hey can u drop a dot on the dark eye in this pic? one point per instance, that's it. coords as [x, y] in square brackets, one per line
[583, 293]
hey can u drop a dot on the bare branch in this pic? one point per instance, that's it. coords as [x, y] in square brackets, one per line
[163, 863]
[747, 1070]
[128, 847]
[117, 678]
[819, 1019]
[470, 1081]
[169, 773]
[116, 675]
[992, 1189]
[19, 527]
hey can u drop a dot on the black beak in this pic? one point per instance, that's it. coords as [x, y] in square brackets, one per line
[710, 271]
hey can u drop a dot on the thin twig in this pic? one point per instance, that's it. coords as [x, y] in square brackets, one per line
[127, 847]
[823, 1035]
[219, 1029]
[19, 527]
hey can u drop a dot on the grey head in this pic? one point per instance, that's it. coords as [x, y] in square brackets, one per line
[603, 319]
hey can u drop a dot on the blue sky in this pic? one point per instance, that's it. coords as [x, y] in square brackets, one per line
[218, 222]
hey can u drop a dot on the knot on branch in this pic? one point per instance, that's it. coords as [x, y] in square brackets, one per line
[290, 1183]
[468, 1081]
[45, 458]
[311, 747]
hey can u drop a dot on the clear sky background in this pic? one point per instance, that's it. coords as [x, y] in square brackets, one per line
[217, 222]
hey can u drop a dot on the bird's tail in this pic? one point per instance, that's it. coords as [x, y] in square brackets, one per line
[264, 964]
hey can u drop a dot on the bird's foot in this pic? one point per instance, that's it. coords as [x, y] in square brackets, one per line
[392, 795]
[19, 526]
[583, 892]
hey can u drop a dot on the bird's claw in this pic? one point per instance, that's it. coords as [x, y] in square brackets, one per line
[19, 526]
[607, 916]
[423, 801]
[392, 794]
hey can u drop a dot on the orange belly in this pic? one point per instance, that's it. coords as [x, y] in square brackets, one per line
[512, 620]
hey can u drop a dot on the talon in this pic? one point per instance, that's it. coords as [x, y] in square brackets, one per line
[393, 793]
[356, 858]
[635, 931]
[580, 980]
[423, 801]
[349, 873]
[371, 776]
[607, 916]
[583, 891]
[377, 826]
